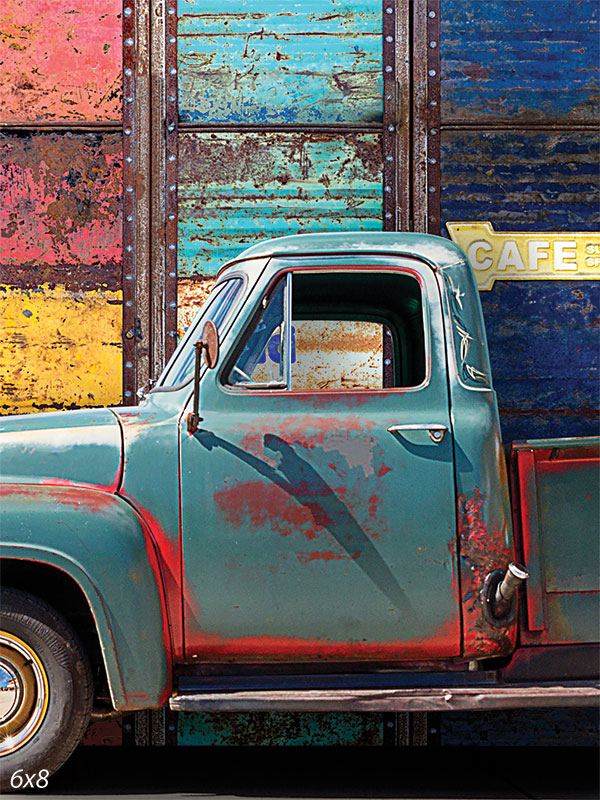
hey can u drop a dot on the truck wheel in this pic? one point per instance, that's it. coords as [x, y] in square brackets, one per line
[46, 691]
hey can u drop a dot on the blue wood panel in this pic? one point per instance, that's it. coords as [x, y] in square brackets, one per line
[523, 59]
[236, 189]
[543, 335]
[272, 62]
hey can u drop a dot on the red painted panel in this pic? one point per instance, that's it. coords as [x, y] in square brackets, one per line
[60, 204]
[61, 60]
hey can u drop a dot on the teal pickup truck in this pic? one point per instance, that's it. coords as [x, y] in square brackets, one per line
[311, 510]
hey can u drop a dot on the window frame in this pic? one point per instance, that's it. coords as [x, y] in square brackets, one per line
[288, 272]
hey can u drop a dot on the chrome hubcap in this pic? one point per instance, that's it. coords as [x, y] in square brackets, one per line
[23, 693]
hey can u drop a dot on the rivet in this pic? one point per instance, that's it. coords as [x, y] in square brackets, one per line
[172, 71]
[129, 248]
[127, 12]
[127, 131]
[128, 393]
[129, 41]
[130, 218]
[389, 158]
[170, 11]
[128, 277]
[172, 98]
[172, 333]
[389, 10]
[129, 189]
[129, 99]
[432, 219]
[433, 103]
[172, 274]
[387, 361]
[388, 215]
[388, 97]
[172, 187]
[129, 303]
[433, 160]
[172, 304]
[171, 40]
[431, 189]
[389, 38]
[388, 69]
[432, 44]
[433, 131]
[171, 247]
[390, 128]
[387, 188]
[432, 14]
[432, 73]
[171, 216]
[128, 365]
[172, 158]
[128, 72]
[129, 159]
[171, 127]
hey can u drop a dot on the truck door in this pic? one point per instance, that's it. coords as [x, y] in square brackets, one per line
[317, 494]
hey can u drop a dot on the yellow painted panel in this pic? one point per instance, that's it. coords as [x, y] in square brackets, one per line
[59, 348]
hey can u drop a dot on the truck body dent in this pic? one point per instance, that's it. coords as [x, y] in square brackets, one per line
[98, 540]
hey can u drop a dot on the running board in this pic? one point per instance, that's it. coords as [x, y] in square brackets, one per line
[459, 698]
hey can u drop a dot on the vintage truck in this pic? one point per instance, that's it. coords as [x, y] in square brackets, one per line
[311, 510]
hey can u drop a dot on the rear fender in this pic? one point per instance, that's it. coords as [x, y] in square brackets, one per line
[100, 542]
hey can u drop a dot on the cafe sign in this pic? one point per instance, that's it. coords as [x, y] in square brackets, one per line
[526, 256]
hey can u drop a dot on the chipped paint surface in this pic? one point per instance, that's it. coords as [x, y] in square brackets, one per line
[270, 62]
[61, 60]
[60, 207]
[239, 188]
[528, 61]
[279, 729]
[191, 295]
[60, 348]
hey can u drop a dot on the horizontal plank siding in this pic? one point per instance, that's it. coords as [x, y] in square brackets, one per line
[61, 60]
[272, 62]
[238, 188]
[523, 60]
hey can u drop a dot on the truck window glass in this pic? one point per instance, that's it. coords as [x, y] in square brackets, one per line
[350, 330]
[218, 307]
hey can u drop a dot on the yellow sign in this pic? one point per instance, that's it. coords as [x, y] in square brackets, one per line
[526, 256]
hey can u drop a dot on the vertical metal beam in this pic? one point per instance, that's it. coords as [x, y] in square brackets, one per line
[426, 116]
[396, 115]
[163, 214]
[136, 197]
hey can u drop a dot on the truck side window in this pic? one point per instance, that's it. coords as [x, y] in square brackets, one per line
[349, 330]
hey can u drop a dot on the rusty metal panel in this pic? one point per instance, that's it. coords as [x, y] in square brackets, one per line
[542, 335]
[530, 61]
[60, 223]
[279, 728]
[269, 62]
[238, 188]
[61, 60]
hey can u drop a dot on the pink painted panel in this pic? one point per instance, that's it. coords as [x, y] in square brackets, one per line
[60, 60]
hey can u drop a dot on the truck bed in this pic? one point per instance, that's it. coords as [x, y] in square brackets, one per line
[556, 487]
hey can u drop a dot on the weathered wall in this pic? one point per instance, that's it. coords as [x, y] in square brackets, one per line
[520, 148]
[60, 204]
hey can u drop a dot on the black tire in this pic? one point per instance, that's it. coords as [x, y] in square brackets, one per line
[48, 709]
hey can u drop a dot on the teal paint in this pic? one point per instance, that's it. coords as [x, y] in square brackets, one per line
[270, 729]
[239, 188]
[273, 63]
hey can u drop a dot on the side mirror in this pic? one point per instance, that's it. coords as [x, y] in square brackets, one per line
[209, 345]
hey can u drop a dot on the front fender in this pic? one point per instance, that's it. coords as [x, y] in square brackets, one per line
[98, 540]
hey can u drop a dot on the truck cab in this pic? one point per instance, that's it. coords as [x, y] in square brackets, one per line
[322, 508]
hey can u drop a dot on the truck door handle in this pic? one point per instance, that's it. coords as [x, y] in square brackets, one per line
[436, 432]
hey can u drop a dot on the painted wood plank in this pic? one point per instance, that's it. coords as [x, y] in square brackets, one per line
[269, 62]
[530, 60]
[61, 60]
[238, 188]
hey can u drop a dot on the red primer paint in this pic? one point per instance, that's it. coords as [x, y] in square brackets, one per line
[325, 555]
[383, 470]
